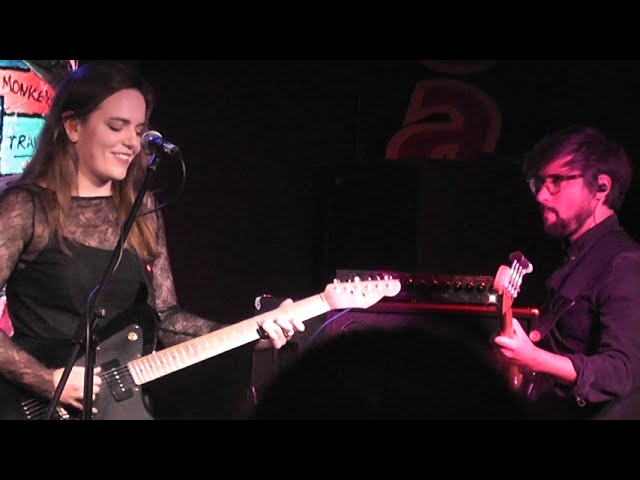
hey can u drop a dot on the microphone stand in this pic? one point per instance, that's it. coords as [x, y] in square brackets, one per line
[85, 334]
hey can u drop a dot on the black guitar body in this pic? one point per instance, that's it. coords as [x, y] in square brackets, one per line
[119, 398]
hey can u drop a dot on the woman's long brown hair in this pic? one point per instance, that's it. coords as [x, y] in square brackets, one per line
[54, 164]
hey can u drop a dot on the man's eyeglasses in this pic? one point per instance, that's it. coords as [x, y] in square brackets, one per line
[552, 182]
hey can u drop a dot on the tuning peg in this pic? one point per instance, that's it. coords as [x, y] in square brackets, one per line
[518, 257]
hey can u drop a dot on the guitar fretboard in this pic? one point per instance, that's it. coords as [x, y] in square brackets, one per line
[177, 357]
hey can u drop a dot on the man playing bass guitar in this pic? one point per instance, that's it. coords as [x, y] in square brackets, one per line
[585, 348]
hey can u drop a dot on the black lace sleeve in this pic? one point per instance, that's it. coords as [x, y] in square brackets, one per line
[16, 231]
[176, 325]
[17, 234]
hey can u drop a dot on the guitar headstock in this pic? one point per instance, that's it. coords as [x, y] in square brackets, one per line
[508, 279]
[358, 293]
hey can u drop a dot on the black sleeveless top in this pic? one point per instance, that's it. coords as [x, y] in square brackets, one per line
[49, 297]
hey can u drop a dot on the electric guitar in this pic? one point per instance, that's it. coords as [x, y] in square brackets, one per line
[125, 368]
[507, 283]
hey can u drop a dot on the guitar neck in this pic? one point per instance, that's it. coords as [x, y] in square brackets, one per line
[506, 327]
[177, 357]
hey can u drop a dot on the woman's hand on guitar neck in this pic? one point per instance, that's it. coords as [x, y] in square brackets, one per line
[73, 392]
[278, 331]
[519, 349]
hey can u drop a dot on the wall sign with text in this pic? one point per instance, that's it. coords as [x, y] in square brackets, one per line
[25, 97]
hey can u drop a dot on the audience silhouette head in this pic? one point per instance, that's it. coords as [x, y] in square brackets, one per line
[400, 373]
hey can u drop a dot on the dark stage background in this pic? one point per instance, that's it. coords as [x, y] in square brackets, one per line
[289, 179]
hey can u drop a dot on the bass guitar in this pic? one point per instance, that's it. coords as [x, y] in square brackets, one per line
[507, 283]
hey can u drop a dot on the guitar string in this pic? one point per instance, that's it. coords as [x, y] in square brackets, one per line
[517, 273]
[513, 278]
[517, 281]
[35, 409]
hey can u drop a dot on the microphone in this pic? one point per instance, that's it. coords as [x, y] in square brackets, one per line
[152, 141]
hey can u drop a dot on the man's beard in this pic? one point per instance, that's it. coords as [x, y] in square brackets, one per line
[563, 228]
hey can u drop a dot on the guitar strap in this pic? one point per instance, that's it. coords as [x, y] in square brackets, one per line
[583, 275]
